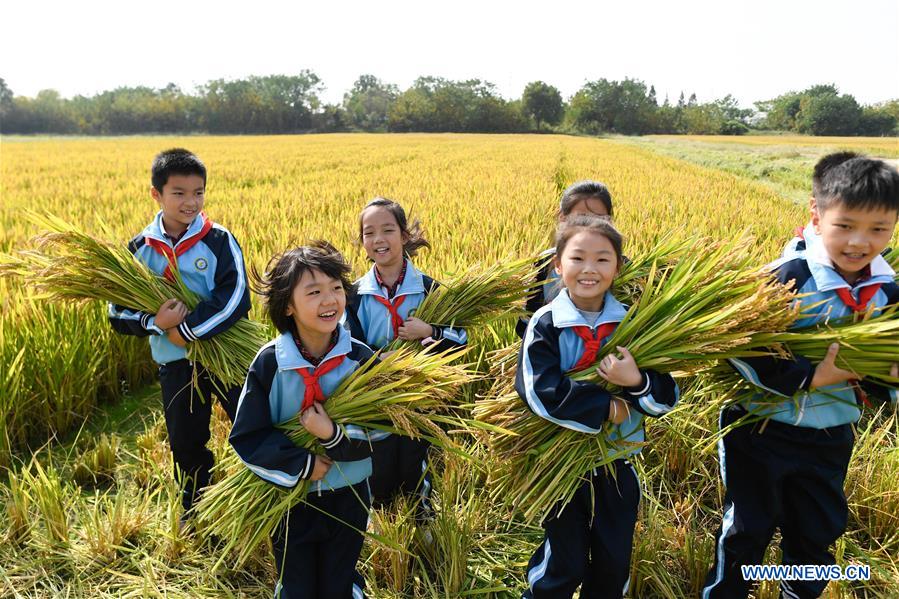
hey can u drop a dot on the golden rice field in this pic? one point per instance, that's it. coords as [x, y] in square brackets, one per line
[96, 515]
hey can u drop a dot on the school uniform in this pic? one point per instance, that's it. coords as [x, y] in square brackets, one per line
[801, 236]
[374, 315]
[789, 474]
[318, 542]
[589, 541]
[210, 262]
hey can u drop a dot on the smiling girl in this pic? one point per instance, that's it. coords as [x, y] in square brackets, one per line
[318, 542]
[589, 541]
[383, 309]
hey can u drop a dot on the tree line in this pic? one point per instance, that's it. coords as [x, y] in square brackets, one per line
[292, 104]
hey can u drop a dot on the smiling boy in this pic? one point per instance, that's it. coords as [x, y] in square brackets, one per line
[210, 262]
[788, 470]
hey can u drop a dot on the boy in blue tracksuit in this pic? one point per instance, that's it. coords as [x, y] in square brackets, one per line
[318, 543]
[210, 262]
[588, 542]
[789, 473]
[382, 310]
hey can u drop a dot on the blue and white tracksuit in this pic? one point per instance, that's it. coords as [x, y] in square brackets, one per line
[400, 463]
[588, 542]
[787, 471]
[318, 543]
[213, 269]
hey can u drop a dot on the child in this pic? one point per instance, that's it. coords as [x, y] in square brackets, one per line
[590, 541]
[584, 198]
[804, 234]
[317, 544]
[788, 470]
[383, 310]
[211, 264]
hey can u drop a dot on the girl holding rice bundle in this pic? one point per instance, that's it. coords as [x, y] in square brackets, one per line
[318, 542]
[381, 311]
[588, 542]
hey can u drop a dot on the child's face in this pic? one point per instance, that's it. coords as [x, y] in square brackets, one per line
[381, 236]
[853, 238]
[181, 199]
[317, 304]
[587, 207]
[587, 267]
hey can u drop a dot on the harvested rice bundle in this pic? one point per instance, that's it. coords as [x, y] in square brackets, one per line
[70, 265]
[410, 393]
[478, 297]
[707, 306]
[869, 346]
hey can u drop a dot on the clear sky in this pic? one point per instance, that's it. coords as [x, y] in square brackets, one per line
[753, 50]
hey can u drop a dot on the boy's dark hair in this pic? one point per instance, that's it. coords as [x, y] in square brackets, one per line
[595, 224]
[860, 183]
[176, 161]
[823, 166]
[284, 271]
[415, 235]
[584, 190]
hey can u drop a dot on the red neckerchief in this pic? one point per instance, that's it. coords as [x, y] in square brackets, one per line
[864, 294]
[396, 321]
[592, 342]
[171, 254]
[311, 375]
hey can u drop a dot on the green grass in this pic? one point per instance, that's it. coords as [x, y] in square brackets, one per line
[786, 170]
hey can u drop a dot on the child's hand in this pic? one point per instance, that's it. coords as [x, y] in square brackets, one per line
[414, 329]
[618, 411]
[170, 314]
[620, 371]
[175, 337]
[322, 465]
[828, 373]
[316, 421]
[387, 354]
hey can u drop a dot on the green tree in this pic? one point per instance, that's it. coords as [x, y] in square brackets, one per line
[543, 103]
[368, 104]
[437, 104]
[877, 121]
[613, 106]
[828, 114]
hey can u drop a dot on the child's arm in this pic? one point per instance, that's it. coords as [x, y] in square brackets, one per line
[649, 392]
[230, 299]
[444, 337]
[341, 443]
[267, 451]
[539, 380]
[128, 321]
[132, 322]
[787, 377]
